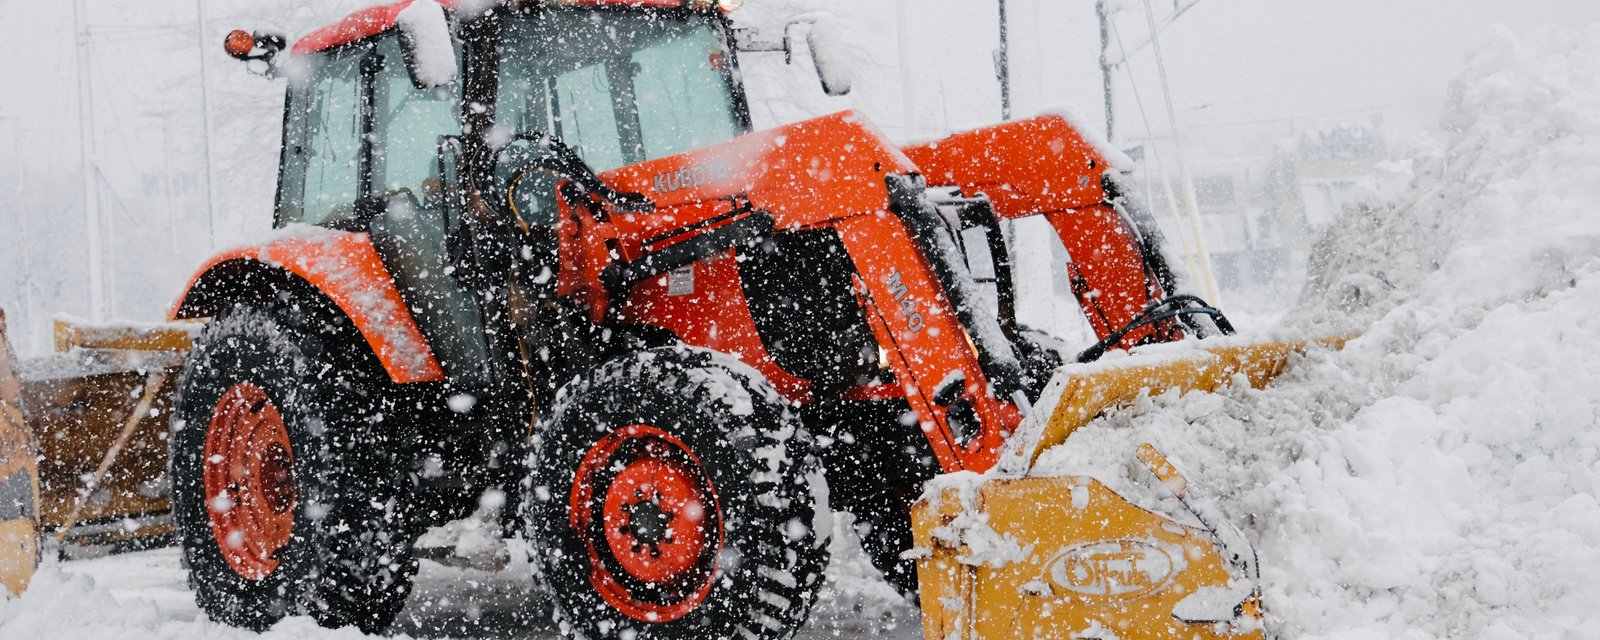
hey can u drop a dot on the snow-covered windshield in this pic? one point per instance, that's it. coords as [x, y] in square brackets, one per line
[621, 87]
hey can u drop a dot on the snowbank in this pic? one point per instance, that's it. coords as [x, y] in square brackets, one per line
[1438, 477]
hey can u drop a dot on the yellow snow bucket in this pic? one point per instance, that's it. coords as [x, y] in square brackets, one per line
[1013, 556]
[1069, 558]
[1083, 392]
[19, 481]
[99, 407]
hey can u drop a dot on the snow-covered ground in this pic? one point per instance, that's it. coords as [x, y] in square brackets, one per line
[144, 596]
[1438, 478]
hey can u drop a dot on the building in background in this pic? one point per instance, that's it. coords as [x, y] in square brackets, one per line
[1260, 213]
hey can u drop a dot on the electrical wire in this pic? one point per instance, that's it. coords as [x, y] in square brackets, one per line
[1164, 24]
[1161, 167]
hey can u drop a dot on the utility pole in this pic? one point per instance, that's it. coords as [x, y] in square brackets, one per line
[1207, 279]
[91, 183]
[205, 114]
[907, 100]
[1002, 64]
[1105, 67]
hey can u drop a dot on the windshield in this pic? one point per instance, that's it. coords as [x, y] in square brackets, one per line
[621, 87]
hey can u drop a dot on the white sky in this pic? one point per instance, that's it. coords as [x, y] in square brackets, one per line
[1243, 72]
[1252, 60]
[1231, 61]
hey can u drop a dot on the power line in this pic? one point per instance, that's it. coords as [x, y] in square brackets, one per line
[205, 114]
[91, 186]
[1303, 116]
[1154, 31]
[1203, 257]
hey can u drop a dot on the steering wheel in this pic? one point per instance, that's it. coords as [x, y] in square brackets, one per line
[528, 169]
[523, 185]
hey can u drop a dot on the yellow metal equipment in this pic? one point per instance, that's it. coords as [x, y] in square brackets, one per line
[1008, 555]
[1013, 556]
[19, 481]
[100, 407]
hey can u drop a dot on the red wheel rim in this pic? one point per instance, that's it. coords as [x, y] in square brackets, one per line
[649, 519]
[249, 481]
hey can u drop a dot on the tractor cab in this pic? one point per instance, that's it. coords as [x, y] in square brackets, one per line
[401, 118]
[620, 83]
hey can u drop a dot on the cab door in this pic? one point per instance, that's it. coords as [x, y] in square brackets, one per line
[361, 154]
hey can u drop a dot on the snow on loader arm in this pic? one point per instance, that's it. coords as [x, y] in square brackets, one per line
[19, 481]
[1015, 554]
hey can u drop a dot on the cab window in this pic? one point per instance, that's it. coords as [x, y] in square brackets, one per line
[683, 100]
[361, 93]
[620, 87]
[407, 127]
[585, 117]
[322, 147]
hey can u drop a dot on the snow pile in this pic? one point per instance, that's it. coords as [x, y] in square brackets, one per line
[1438, 477]
[477, 541]
[854, 601]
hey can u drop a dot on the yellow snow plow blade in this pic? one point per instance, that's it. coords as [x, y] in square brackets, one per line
[1016, 556]
[99, 407]
[1084, 392]
[1084, 563]
[19, 481]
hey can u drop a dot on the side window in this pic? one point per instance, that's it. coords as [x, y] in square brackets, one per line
[407, 128]
[682, 96]
[586, 117]
[322, 159]
[324, 171]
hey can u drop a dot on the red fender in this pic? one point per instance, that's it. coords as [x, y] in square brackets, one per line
[343, 266]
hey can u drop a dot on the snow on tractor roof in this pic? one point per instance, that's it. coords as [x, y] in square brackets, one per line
[378, 19]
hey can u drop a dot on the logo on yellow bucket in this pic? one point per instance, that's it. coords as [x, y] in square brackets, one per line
[1112, 569]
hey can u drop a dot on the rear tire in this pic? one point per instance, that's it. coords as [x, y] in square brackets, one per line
[622, 473]
[288, 490]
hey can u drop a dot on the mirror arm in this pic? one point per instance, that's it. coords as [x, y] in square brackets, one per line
[746, 40]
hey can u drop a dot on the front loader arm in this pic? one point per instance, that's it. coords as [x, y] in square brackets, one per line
[930, 351]
[1045, 167]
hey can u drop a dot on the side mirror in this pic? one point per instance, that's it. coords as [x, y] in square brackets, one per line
[426, 44]
[826, 41]
[830, 54]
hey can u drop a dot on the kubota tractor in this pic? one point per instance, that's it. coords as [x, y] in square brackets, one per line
[531, 255]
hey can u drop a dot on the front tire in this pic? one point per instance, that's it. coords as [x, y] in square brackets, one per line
[287, 488]
[671, 496]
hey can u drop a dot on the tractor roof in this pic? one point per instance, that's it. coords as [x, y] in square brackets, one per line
[377, 19]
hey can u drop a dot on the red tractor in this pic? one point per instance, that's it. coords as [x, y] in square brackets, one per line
[534, 250]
